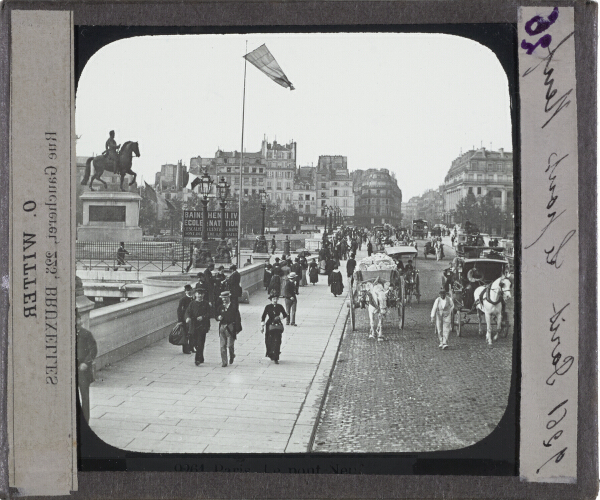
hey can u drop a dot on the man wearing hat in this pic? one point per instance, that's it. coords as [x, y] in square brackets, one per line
[227, 316]
[87, 350]
[442, 314]
[184, 303]
[197, 318]
[289, 293]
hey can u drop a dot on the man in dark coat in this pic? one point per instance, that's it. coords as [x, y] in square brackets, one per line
[369, 248]
[209, 283]
[197, 317]
[273, 245]
[87, 350]
[228, 317]
[236, 291]
[350, 266]
[297, 269]
[289, 293]
[181, 309]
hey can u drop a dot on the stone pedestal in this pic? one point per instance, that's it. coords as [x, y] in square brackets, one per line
[260, 258]
[110, 216]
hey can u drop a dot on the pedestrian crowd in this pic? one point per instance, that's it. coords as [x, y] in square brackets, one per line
[215, 296]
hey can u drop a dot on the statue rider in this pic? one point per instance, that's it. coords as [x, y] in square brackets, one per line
[112, 149]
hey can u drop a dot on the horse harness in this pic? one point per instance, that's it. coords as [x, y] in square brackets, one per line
[486, 291]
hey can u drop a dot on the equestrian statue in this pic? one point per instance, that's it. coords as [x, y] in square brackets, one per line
[115, 158]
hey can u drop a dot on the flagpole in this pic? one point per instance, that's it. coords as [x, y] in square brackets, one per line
[239, 262]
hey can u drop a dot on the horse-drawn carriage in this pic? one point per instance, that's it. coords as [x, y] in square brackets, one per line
[479, 284]
[379, 284]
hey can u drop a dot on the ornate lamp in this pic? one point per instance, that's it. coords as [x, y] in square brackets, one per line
[204, 257]
[223, 251]
[261, 245]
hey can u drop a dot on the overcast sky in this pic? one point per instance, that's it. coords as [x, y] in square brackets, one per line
[406, 102]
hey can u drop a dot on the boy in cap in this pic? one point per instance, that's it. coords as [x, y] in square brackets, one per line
[442, 314]
[227, 316]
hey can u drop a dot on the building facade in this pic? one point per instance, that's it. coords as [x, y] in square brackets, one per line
[305, 196]
[280, 162]
[378, 198]
[480, 172]
[334, 188]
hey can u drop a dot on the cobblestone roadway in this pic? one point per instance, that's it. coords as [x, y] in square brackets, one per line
[406, 394]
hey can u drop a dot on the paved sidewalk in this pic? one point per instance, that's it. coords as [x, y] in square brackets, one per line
[157, 400]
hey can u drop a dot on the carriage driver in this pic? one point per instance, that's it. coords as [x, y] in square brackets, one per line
[112, 149]
[408, 268]
[475, 278]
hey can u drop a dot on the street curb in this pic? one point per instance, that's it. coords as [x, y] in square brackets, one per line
[303, 433]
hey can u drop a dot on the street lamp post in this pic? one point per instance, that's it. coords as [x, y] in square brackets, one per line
[331, 220]
[223, 252]
[261, 245]
[204, 257]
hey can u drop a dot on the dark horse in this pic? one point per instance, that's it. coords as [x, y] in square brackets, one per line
[101, 163]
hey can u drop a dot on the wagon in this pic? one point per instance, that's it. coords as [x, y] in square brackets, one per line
[385, 273]
[491, 264]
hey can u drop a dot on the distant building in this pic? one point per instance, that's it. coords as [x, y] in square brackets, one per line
[280, 160]
[480, 172]
[171, 178]
[305, 195]
[334, 187]
[378, 198]
[253, 174]
[409, 211]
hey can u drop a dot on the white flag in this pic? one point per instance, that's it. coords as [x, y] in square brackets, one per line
[264, 61]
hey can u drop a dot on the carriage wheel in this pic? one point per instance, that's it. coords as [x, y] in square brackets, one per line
[352, 310]
[458, 323]
[418, 289]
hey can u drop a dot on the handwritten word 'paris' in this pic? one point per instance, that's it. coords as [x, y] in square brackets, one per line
[541, 25]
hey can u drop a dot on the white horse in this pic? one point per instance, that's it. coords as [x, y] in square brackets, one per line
[488, 301]
[375, 295]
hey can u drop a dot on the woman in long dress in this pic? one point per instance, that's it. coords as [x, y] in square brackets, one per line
[313, 272]
[337, 282]
[274, 285]
[272, 327]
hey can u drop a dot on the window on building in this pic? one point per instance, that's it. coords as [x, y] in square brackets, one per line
[253, 170]
[236, 180]
[288, 185]
[254, 181]
[323, 195]
[261, 181]
[245, 192]
[224, 160]
[323, 185]
[261, 170]
[471, 190]
[478, 190]
[246, 180]
[288, 197]
[228, 169]
[269, 184]
[278, 185]
[323, 203]
[306, 197]
[335, 192]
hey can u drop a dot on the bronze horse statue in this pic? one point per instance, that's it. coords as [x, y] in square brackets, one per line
[102, 163]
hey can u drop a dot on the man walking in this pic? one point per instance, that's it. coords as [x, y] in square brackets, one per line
[273, 245]
[290, 298]
[184, 303]
[87, 350]
[227, 316]
[197, 317]
[350, 266]
[442, 314]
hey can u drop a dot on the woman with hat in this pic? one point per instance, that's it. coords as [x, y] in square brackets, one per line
[272, 326]
[197, 318]
[313, 272]
[442, 314]
[275, 284]
[337, 282]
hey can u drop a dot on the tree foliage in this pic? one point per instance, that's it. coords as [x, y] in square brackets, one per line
[483, 212]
